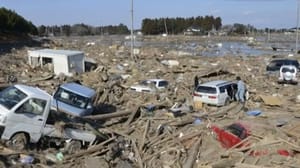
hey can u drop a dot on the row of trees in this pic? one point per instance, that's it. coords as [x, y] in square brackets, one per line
[149, 27]
[238, 28]
[12, 23]
[81, 30]
[178, 25]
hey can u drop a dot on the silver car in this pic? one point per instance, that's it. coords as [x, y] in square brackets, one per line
[74, 99]
[288, 74]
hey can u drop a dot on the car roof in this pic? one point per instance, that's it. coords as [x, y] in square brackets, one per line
[289, 66]
[156, 80]
[34, 91]
[284, 60]
[79, 89]
[216, 83]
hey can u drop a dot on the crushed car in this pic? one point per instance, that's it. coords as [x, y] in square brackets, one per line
[74, 99]
[26, 117]
[235, 136]
[230, 135]
[150, 85]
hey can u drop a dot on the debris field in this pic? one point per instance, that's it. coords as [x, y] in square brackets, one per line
[141, 129]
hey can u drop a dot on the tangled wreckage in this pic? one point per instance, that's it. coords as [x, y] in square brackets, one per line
[55, 118]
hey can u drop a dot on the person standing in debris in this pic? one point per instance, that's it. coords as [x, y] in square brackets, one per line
[196, 81]
[241, 89]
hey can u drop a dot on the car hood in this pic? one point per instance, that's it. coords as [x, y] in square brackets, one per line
[3, 110]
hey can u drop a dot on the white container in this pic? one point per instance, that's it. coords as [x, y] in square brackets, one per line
[67, 62]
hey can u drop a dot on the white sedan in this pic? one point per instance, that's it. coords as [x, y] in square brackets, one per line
[150, 85]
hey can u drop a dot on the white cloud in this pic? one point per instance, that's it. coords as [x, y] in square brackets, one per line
[249, 12]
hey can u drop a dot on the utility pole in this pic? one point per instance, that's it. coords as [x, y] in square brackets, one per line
[166, 28]
[269, 35]
[131, 46]
[297, 27]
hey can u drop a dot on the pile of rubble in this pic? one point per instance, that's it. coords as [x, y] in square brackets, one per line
[142, 130]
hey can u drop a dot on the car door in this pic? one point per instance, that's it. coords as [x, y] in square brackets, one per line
[28, 117]
[234, 91]
[222, 95]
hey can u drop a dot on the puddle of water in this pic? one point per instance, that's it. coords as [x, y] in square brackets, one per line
[235, 48]
[217, 49]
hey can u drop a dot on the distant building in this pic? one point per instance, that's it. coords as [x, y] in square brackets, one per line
[193, 31]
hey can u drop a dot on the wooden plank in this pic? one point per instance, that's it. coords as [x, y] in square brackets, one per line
[132, 116]
[144, 135]
[108, 116]
[90, 150]
[137, 153]
[192, 155]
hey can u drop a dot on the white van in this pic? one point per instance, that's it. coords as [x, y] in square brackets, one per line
[217, 92]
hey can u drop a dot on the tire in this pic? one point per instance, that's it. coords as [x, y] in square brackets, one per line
[73, 146]
[18, 142]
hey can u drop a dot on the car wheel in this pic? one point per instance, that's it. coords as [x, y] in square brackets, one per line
[18, 141]
[73, 146]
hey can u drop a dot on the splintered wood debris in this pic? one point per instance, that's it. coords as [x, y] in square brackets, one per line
[140, 130]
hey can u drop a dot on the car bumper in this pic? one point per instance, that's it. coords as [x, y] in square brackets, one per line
[206, 101]
[287, 82]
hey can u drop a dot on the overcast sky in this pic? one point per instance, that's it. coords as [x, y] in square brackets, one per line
[258, 13]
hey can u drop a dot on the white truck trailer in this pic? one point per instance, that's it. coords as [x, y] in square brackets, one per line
[67, 62]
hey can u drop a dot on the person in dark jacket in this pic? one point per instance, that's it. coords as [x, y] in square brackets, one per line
[196, 81]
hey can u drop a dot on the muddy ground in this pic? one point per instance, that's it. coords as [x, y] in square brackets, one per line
[139, 137]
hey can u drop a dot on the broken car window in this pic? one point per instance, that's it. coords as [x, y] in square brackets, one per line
[163, 83]
[222, 89]
[288, 70]
[71, 98]
[32, 106]
[11, 96]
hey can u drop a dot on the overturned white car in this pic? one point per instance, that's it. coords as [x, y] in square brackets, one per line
[288, 74]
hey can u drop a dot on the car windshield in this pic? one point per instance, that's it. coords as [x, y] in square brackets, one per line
[71, 98]
[163, 84]
[148, 82]
[11, 96]
[291, 70]
[279, 63]
[206, 89]
[237, 130]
